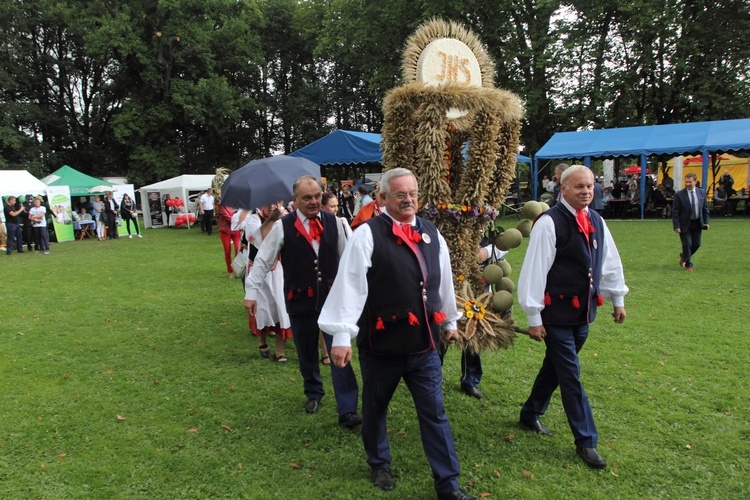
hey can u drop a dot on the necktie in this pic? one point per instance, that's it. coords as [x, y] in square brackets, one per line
[316, 228]
[584, 224]
[694, 204]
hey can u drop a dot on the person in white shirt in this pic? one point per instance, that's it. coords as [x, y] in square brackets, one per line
[571, 266]
[206, 202]
[38, 218]
[309, 242]
[396, 297]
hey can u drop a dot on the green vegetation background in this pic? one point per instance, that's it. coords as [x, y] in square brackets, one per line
[127, 371]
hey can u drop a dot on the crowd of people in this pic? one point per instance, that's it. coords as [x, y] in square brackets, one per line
[397, 304]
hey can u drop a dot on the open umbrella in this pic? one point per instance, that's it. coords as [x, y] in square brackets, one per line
[634, 169]
[265, 181]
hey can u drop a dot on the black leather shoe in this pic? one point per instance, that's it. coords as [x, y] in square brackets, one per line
[312, 405]
[350, 420]
[536, 425]
[459, 494]
[591, 457]
[383, 479]
[472, 391]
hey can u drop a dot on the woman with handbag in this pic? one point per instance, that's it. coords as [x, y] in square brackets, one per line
[128, 213]
[271, 318]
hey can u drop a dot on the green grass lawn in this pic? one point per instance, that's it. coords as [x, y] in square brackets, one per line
[127, 371]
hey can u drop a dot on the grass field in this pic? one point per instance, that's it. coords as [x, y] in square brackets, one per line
[127, 371]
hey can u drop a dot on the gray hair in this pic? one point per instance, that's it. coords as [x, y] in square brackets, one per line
[561, 167]
[385, 180]
[311, 178]
[571, 170]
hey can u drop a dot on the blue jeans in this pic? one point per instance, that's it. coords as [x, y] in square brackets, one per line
[14, 232]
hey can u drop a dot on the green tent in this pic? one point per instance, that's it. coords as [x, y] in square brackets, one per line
[80, 184]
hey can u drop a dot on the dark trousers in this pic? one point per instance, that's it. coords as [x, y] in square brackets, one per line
[127, 219]
[110, 220]
[345, 388]
[14, 233]
[207, 221]
[28, 235]
[561, 367]
[422, 373]
[471, 369]
[41, 238]
[691, 241]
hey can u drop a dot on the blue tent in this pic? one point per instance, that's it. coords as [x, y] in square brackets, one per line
[342, 147]
[678, 138]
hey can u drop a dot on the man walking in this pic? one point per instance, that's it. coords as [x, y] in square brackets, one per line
[690, 216]
[570, 267]
[396, 296]
[309, 243]
[110, 213]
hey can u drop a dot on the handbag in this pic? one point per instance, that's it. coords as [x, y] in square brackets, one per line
[239, 265]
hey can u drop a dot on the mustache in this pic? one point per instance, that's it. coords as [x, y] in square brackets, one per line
[406, 204]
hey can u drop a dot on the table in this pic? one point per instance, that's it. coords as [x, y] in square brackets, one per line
[735, 200]
[618, 206]
[84, 227]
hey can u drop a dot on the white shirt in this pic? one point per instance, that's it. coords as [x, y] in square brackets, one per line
[270, 248]
[540, 255]
[348, 295]
[35, 212]
[207, 201]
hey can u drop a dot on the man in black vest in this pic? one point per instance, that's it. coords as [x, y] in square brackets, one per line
[396, 297]
[309, 243]
[571, 265]
[110, 213]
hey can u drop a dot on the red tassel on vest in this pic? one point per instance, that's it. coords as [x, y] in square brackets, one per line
[547, 299]
[379, 324]
[290, 295]
[310, 292]
[599, 300]
[439, 316]
[413, 320]
[576, 303]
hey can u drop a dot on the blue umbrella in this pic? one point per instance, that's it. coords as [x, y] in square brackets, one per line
[265, 181]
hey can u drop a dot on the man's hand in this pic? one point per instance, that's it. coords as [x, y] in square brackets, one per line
[341, 356]
[619, 314]
[677, 230]
[450, 336]
[537, 333]
[251, 306]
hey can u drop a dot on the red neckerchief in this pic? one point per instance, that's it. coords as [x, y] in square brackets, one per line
[406, 234]
[584, 224]
[316, 230]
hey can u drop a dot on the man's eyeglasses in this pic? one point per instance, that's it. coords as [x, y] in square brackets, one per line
[402, 196]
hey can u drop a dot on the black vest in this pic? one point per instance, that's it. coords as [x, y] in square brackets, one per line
[576, 271]
[308, 277]
[398, 317]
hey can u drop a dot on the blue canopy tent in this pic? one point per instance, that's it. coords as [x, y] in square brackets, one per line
[679, 138]
[345, 147]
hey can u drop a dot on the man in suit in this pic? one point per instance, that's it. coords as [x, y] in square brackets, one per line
[690, 216]
[396, 297]
[309, 243]
[571, 266]
[110, 213]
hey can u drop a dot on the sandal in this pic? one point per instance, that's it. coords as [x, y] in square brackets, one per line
[281, 359]
[326, 360]
[264, 351]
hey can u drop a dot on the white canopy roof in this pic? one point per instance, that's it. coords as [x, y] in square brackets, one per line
[186, 181]
[20, 183]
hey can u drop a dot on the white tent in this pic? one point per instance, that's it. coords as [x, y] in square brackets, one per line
[184, 187]
[20, 183]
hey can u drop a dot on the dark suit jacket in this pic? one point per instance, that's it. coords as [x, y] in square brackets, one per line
[107, 208]
[681, 211]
